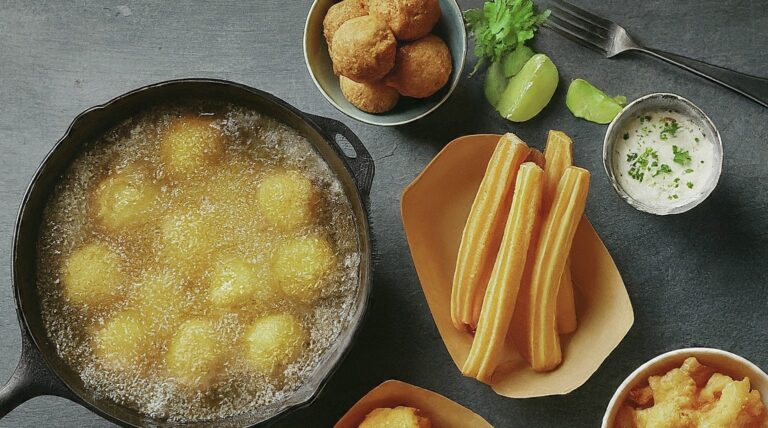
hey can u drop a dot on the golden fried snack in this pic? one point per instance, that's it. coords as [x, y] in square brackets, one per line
[542, 343]
[273, 342]
[422, 67]
[483, 231]
[235, 282]
[338, 14]
[559, 156]
[127, 197]
[693, 395]
[194, 354]
[536, 157]
[122, 342]
[398, 417]
[300, 266]
[408, 19]
[373, 97]
[189, 145]
[501, 294]
[364, 49]
[91, 276]
[286, 200]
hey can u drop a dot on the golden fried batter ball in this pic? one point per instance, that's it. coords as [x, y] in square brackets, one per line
[398, 417]
[127, 197]
[194, 354]
[408, 19]
[364, 49]
[374, 97]
[189, 144]
[422, 68]
[122, 342]
[273, 342]
[237, 282]
[286, 200]
[300, 266]
[338, 14]
[91, 275]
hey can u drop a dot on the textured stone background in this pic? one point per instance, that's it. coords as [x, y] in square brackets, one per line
[694, 279]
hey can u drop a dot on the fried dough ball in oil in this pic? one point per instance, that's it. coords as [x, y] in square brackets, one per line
[122, 341]
[273, 342]
[398, 417]
[91, 275]
[364, 49]
[127, 197]
[236, 282]
[408, 19]
[189, 145]
[300, 266]
[286, 200]
[372, 97]
[338, 14]
[194, 354]
[423, 67]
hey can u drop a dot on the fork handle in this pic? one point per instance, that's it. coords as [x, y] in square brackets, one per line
[752, 87]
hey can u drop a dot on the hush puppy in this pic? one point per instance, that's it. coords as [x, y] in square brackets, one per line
[236, 282]
[364, 49]
[127, 197]
[194, 354]
[122, 341]
[422, 68]
[338, 14]
[92, 276]
[273, 342]
[401, 417]
[408, 19]
[374, 97]
[189, 144]
[286, 200]
[300, 266]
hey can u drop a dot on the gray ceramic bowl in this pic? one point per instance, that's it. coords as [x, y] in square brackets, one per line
[450, 28]
[662, 101]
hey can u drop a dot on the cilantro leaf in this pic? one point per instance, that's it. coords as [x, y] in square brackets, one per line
[500, 26]
[681, 156]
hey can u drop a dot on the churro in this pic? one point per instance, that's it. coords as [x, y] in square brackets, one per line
[501, 294]
[483, 231]
[554, 244]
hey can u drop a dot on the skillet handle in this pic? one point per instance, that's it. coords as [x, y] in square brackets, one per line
[362, 164]
[31, 378]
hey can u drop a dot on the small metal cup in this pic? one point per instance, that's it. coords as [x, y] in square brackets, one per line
[662, 101]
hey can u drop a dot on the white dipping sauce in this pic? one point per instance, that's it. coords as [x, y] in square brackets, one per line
[663, 158]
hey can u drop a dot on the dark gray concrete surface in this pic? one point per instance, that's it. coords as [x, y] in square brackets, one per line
[694, 279]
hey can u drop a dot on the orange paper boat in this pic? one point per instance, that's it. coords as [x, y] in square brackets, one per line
[435, 208]
[443, 412]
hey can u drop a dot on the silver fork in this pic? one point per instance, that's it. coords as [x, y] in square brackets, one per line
[610, 39]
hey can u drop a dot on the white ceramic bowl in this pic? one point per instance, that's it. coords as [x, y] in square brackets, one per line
[722, 361]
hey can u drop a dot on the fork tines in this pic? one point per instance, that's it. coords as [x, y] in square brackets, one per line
[581, 26]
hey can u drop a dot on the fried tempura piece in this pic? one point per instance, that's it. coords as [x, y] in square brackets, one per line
[364, 49]
[559, 156]
[338, 14]
[398, 417]
[501, 294]
[542, 342]
[422, 67]
[483, 231]
[408, 19]
[373, 97]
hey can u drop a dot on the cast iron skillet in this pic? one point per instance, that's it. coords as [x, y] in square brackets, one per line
[41, 371]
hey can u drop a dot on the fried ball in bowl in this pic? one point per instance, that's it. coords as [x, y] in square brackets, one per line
[189, 145]
[273, 342]
[127, 197]
[374, 97]
[364, 49]
[422, 68]
[408, 19]
[92, 276]
[338, 14]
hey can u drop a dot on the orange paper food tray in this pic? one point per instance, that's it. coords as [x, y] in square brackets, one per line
[435, 208]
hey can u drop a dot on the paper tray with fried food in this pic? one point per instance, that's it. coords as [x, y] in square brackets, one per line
[435, 208]
[440, 411]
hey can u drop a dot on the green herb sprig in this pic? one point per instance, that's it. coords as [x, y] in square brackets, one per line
[500, 26]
